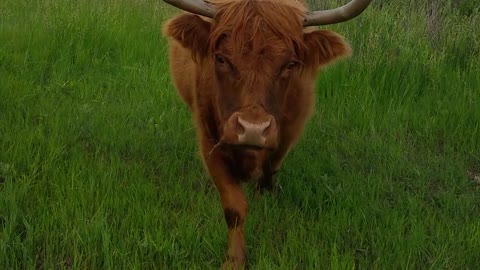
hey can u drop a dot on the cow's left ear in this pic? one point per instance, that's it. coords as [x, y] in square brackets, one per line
[324, 47]
[191, 31]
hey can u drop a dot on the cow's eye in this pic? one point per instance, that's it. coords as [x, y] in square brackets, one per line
[291, 65]
[219, 59]
[288, 69]
[223, 65]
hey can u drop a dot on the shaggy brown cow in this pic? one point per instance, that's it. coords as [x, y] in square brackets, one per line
[247, 74]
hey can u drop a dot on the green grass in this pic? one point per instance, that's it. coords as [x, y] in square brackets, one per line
[99, 166]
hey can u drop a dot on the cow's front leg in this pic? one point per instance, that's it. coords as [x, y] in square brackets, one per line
[235, 210]
[234, 205]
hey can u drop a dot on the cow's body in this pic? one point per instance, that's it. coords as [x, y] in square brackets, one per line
[195, 92]
[249, 83]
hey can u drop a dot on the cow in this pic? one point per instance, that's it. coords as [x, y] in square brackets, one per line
[246, 70]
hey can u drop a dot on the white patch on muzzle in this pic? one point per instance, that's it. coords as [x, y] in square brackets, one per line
[253, 132]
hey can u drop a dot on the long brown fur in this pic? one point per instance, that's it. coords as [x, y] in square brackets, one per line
[243, 20]
[258, 39]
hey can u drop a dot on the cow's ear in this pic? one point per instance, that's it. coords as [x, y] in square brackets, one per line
[324, 47]
[191, 32]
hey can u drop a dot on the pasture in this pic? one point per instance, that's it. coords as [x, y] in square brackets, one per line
[99, 166]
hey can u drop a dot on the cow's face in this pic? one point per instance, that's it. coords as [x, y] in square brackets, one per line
[252, 75]
[254, 57]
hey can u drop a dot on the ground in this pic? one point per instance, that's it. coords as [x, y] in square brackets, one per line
[99, 167]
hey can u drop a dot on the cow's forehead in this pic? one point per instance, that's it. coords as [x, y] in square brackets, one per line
[259, 40]
[257, 27]
[263, 45]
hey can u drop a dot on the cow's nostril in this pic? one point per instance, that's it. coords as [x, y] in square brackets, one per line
[267, 129]
[239, 128]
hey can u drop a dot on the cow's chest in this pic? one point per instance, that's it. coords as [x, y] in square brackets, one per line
[246, 164]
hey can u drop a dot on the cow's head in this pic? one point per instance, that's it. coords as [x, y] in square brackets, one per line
[254, 52]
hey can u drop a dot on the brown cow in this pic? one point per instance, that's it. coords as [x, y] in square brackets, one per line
[248, 77]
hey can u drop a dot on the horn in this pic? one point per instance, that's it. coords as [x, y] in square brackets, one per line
[337, 15]
[199, 7]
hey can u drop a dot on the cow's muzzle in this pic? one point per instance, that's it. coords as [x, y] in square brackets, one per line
[256, 131]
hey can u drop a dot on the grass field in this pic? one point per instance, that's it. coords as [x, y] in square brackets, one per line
[99, 166]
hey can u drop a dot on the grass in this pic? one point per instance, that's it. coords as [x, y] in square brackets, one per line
[99, 166]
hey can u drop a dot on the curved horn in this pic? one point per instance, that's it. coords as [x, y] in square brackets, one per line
[199, 7]
[337, 15]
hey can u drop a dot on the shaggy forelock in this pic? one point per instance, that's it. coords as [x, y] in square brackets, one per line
[247, 22]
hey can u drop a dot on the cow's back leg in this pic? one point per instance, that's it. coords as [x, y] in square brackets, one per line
[234, 204]
[270, 171]
[267, 181]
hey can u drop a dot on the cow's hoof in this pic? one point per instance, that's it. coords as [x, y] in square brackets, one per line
[275, 189]
[267, 183]
[235, 264]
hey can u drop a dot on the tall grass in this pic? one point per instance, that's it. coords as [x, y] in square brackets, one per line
[99, 166]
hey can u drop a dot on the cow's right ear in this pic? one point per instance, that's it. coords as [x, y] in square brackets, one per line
[191, 32]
